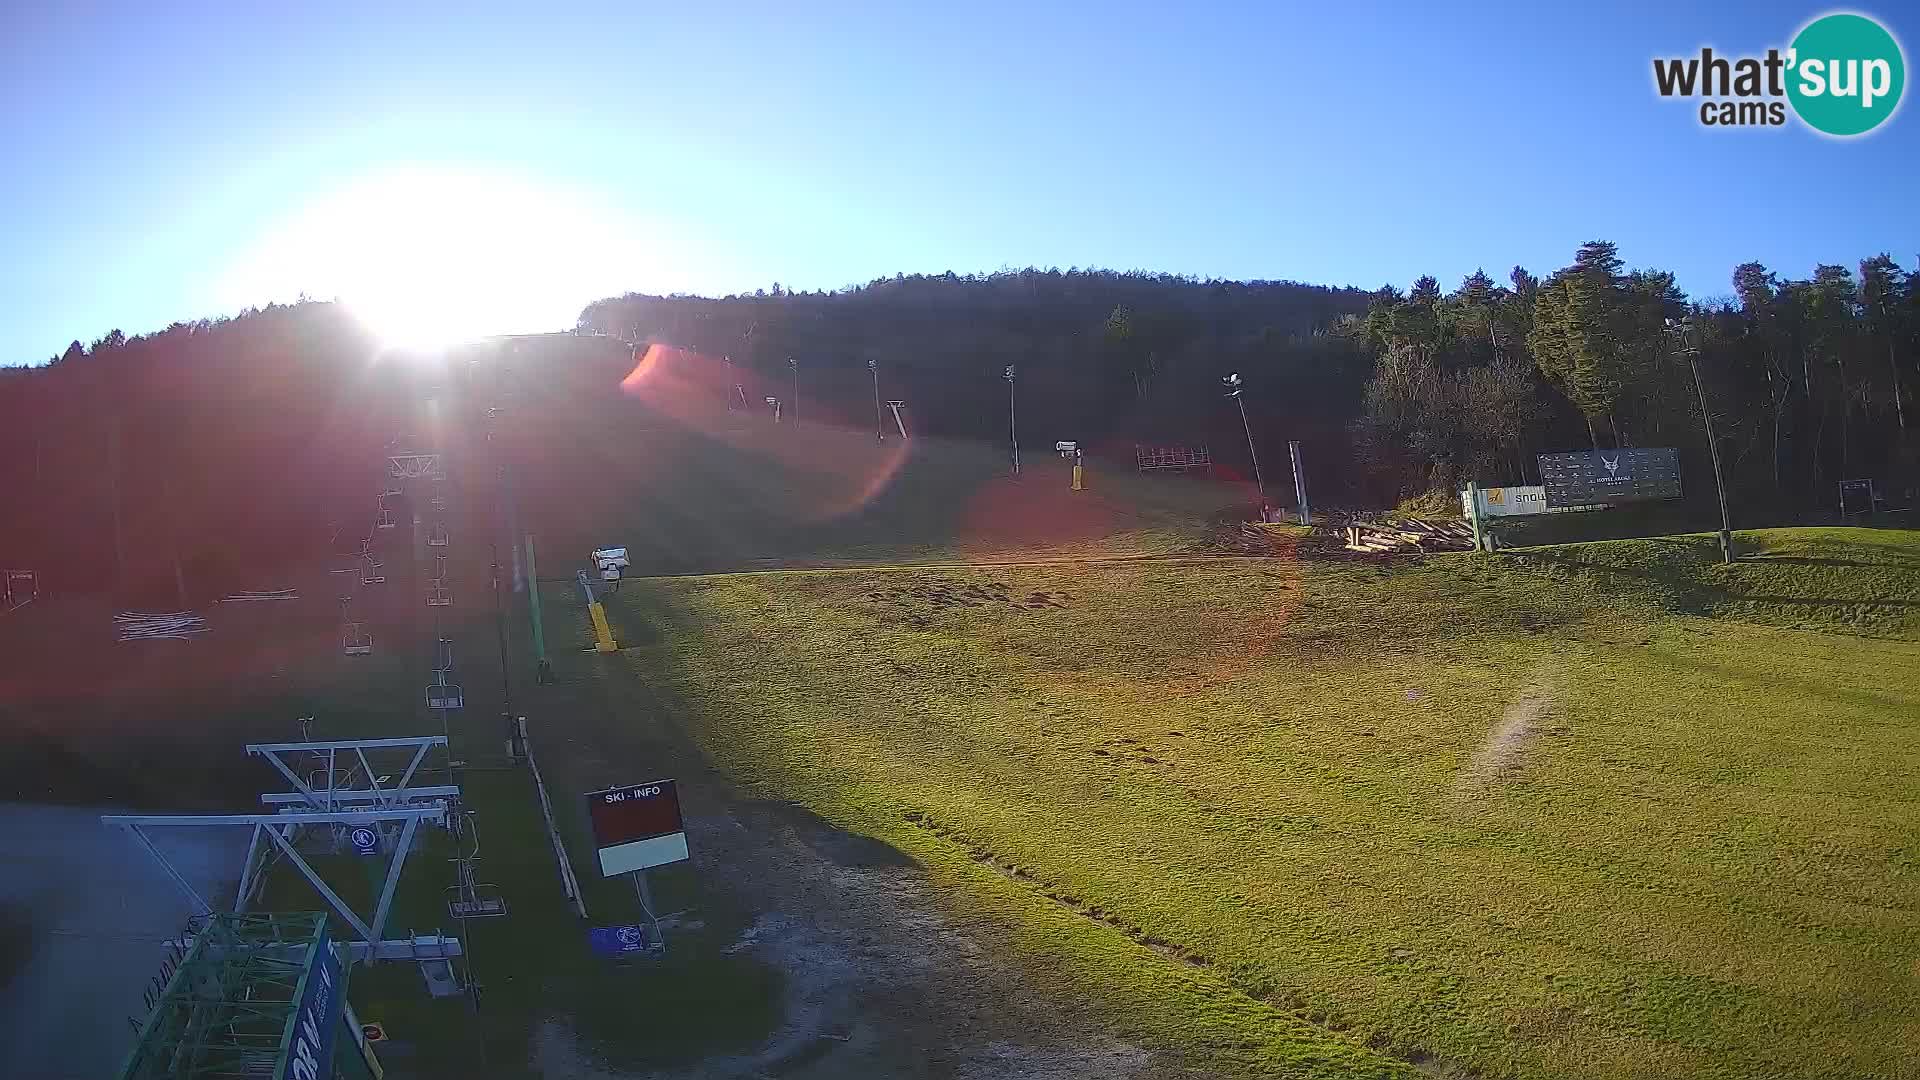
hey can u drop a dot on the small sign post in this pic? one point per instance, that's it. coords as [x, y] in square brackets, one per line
[635, 828]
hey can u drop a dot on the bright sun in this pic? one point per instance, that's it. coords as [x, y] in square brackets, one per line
[431, 257]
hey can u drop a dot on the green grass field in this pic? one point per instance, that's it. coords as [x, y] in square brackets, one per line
[1597, 810]
[1518, 815]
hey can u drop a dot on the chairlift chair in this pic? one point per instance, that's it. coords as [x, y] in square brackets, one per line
[470, 899]
[437, 537]
[355, 639]
[438, 502]
[445, 695]
[437, 595]
[370, 571]
[386, 520]
[20, 588]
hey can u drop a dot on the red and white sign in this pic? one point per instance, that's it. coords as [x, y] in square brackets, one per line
[637, 827]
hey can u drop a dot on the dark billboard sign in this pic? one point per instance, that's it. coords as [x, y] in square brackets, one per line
[1604, 477]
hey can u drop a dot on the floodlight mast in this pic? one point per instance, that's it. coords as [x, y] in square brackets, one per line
[1686, 334]
[794, 408]
[1234, 386]
[1013, 430]
[879, 433]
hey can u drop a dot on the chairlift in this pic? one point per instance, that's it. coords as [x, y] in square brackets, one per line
[366, 546]
[437, 595]
[356, 639]
[390, 493]
[445, 695]
[20, 588]
[438, 536]
[386, 520]
[443, 655]
[370, 571]
[472, 899]
[438, 502]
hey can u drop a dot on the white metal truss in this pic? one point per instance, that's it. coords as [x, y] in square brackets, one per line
[414, 466]
[343, 771]
[281, 832]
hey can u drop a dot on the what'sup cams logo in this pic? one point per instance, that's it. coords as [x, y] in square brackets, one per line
[1842, 76]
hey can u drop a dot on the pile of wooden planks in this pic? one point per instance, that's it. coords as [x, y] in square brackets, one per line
[255, 595]
[144, 626]
[1409, 536]
[1254, 538]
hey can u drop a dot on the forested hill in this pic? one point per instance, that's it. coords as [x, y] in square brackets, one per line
[164, 464]
[1101, 357]
[1811, 380]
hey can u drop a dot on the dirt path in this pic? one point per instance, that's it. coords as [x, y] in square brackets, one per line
[878, 981]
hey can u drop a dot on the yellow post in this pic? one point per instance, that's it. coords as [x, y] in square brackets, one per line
[1078, 477]
[602, 633]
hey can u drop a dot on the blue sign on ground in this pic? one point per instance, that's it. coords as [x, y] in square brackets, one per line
[308, 1055]
[365, 840]
[614, 941]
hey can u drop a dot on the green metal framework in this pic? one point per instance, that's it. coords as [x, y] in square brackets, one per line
[227, 1009]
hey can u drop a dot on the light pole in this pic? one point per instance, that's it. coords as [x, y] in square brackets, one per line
[1013, 432]
[794, 406]
[879, 434]
[1234, 386]
[1686, 333]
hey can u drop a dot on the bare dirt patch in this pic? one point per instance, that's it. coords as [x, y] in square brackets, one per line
[1505, 748]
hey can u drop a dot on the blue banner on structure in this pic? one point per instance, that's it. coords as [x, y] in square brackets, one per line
[308, 1054]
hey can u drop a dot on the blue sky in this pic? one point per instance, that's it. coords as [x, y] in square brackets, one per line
[155, 151]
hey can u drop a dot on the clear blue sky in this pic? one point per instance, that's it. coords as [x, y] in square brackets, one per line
[150, 148]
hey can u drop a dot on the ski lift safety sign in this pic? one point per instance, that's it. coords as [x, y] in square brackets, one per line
[637, 826]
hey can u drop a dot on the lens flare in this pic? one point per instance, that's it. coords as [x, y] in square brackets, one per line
[827, 472]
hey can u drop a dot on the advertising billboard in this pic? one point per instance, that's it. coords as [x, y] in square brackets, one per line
[1605, 477]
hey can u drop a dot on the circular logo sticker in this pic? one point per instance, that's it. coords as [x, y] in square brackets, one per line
[1847, 74]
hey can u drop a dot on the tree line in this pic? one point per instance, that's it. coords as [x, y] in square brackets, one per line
[1810, 380]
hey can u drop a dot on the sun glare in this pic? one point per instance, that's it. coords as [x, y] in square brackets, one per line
[427, 258]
